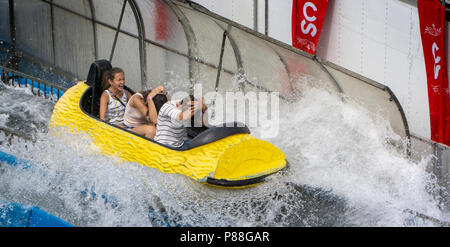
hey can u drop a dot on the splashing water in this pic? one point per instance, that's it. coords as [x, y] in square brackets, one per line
[344, 148]
[342, 172]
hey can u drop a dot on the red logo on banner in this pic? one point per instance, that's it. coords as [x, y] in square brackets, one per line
[307, 21]
[432, 30]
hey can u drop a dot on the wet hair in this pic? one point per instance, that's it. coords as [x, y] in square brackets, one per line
[159, 100]
[185, 101]
[145, 93]
[109, 75]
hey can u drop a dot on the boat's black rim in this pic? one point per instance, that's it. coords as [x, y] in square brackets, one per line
[235, 183]
[244, 182]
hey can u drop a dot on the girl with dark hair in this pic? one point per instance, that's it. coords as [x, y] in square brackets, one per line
[114, 98]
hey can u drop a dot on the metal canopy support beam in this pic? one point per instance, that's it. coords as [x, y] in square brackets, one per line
[191, 40]
[117, 31]
[283, 61]
[255, 15]
[12, 25]
[141, 33]
[224, 38]
[240, 68]
[12, 59]
[94, 28]
[52, 26]
[141, 37]
[266, 17]
[321, 63]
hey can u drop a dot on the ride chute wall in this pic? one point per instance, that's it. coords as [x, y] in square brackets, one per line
[177, 44]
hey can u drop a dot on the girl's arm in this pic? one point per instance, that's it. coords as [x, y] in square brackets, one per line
[103, 106]
[143, 109]
[152, 114]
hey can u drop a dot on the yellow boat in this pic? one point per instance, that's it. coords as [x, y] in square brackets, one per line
[221, 156]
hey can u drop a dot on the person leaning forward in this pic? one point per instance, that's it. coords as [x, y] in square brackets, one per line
[140, 113]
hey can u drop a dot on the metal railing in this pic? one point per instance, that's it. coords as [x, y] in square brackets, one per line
[38, 87]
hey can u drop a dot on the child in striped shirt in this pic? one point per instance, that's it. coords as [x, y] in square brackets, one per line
[172, 116]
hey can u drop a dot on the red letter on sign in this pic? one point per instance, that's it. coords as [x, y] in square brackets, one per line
[307, 21]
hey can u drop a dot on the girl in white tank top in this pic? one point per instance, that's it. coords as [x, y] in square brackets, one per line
[114, 99]
[116, 108]
[132, 116]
